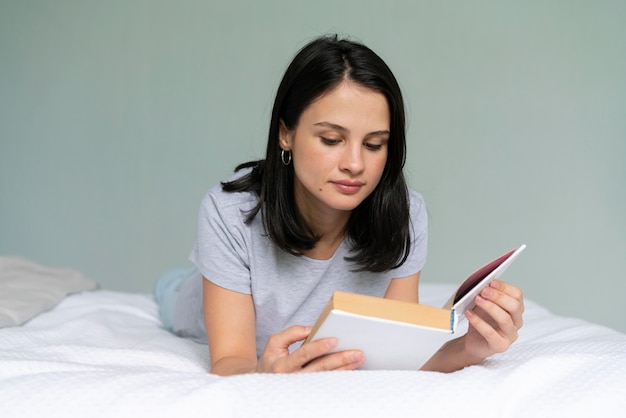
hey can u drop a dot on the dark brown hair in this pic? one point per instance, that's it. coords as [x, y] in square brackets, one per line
[379, 227]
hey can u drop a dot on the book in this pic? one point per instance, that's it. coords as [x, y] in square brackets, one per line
[397, 335]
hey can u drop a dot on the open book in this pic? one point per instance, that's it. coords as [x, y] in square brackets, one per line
[397, 335]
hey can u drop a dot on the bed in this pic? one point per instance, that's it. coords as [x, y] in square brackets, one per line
[102, 353]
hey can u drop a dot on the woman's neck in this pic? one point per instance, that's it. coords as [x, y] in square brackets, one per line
[326, 246]
[330, 227]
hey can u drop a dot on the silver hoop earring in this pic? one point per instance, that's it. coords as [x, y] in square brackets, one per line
[286, 160]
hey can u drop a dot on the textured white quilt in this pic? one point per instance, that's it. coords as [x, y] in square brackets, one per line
[104, 354]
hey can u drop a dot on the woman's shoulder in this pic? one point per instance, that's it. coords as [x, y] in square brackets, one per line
[417, 210]
[224, 200]
[416, 200]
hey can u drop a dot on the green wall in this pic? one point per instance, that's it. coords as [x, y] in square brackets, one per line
[117, 116]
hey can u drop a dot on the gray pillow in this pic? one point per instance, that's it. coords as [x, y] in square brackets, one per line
[28, 289]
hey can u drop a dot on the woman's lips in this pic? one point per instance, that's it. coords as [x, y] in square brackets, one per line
[348, 187]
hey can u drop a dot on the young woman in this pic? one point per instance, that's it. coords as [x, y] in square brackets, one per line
[327, 209]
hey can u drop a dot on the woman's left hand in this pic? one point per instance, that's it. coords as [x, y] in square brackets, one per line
[495, 321]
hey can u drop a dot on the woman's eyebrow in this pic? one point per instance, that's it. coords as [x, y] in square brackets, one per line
[333, 126]
[341, 129]
[378, 133]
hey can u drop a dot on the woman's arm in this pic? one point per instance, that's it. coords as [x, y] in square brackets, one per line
[405, 289]
[230, 324]
[229, 320]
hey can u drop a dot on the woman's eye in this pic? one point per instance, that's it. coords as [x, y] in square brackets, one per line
[329, 141]
[373, 147]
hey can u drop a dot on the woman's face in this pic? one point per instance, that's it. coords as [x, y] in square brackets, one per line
[339, 149]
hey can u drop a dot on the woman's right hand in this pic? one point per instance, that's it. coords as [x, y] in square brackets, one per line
[310, 357]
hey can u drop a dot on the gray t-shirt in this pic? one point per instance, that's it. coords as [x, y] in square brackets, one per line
[287, 289]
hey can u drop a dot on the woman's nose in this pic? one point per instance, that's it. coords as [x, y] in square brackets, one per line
[352, 159]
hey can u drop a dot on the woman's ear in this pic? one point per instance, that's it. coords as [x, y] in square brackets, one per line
[284, 136]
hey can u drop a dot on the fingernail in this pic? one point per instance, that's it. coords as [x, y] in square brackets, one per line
[487, 292]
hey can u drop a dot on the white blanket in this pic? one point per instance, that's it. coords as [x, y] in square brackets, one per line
[104, 354]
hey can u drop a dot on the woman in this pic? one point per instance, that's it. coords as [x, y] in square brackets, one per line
[327, 209]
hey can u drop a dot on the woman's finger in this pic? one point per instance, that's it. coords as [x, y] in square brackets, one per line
[499, 319]
[310, 351]
[344, 360]
[508, 297]
[495, 341]
[280, 342]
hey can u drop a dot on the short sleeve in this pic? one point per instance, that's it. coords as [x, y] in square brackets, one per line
[419, 237]
[221, 252]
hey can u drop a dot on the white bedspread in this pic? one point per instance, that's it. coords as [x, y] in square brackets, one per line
[103, 353]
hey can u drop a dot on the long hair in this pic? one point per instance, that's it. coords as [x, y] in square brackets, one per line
[378, 228]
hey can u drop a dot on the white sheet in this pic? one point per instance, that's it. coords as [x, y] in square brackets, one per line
[103, 353]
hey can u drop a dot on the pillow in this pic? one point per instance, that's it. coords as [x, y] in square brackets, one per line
[28, 289]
